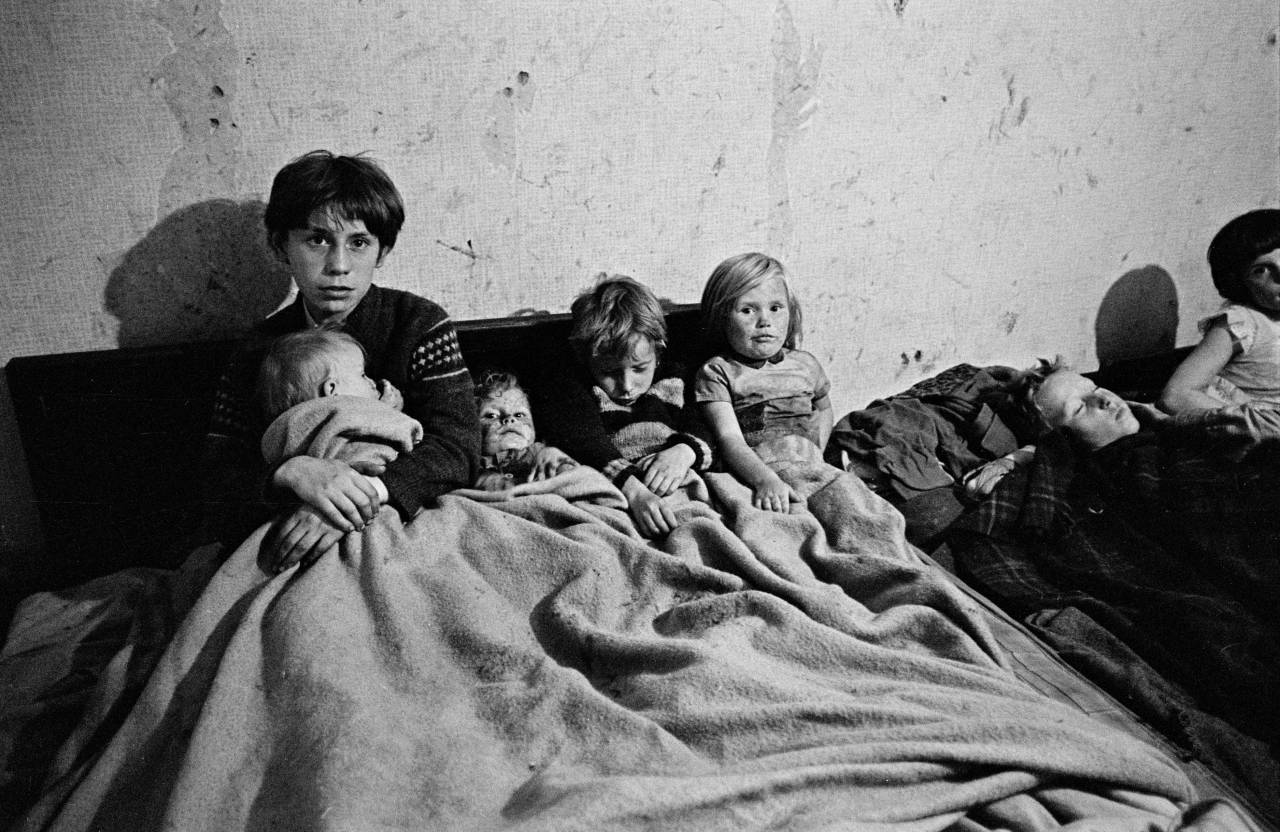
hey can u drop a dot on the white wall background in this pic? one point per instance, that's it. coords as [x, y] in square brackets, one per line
[947, 181]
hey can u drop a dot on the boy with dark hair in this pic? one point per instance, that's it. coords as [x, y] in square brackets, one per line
[333, 220]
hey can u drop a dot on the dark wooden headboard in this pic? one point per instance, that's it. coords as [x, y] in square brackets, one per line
[113, 437]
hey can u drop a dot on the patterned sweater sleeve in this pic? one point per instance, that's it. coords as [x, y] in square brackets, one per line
[441, 396]
[232, 473]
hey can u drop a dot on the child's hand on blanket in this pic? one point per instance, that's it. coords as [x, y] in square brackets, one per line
[772, 494]
[652, 516]
[981, 481]
[665, 470]
[549, 461]
[494, 481]
[300, 536]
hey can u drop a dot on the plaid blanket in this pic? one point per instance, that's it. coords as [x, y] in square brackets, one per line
[1168, 542]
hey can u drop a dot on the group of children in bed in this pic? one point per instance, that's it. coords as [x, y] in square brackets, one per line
[758, 398]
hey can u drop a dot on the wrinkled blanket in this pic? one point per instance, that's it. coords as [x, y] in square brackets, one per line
[1152, 568]
[364, 433]
[528, 661]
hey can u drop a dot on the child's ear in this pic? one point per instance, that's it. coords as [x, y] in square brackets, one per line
[328, 388]
[275, 242]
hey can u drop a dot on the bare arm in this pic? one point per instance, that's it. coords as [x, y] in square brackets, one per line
[1184, 391]
[768, 490]
[825, 421]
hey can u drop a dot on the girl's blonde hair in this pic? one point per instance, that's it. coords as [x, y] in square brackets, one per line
[732, 279]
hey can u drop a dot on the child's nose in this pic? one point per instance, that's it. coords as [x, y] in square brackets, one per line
[338, 261]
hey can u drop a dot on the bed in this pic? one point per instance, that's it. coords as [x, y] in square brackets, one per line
[1061, 549]
[525, 660]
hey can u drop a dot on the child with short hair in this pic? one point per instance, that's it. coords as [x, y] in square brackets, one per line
[623, 410]
[1238, 357]
[509, 450]
[314, 363]
[759, 392]
[313, 388]
[333, 220]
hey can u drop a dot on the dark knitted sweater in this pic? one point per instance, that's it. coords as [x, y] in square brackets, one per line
[575, 416]
[410, 342]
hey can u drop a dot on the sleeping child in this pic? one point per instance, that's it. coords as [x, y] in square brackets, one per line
[313, 390]
[509, 451]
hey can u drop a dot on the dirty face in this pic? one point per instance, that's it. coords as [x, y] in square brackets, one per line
[506, 423]
[1092, 414]
[759, 321]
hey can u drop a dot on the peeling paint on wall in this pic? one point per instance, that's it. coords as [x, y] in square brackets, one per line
[197, 80]
[795, 102]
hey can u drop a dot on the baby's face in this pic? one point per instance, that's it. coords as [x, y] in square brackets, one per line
[627, 378]
[346, 374]
[506, 423]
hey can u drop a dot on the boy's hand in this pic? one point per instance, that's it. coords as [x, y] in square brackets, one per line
[338, 493]
[548, 462]
[299, 536]
[1148, 416]
[773, 494]
[665, 470]
[652, 516]
[388, 393]
[982, 480]
[493, 481]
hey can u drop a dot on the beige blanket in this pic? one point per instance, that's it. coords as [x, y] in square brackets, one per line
[527, 661]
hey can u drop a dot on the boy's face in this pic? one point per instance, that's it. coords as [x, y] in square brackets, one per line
[1092, 414]
[506, 423]
[759, 321]
[347, 376]
[627, 378]
[332, 261]
[1262, 279]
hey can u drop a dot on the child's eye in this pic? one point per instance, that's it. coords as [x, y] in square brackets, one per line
[361, 242]
[316, 239]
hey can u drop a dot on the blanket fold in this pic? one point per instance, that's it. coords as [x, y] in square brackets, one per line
[364, 433]
[530, 662]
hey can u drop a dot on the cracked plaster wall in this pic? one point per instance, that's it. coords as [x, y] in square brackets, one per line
[981, 182]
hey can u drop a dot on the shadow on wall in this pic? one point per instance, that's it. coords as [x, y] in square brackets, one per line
[204, 272]
[1138, 316]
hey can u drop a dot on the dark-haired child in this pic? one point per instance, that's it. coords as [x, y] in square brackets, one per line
[333, 220]
[1238, 357]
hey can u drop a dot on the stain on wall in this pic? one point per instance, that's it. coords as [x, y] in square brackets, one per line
[960, 180]
[796, 71]
[197, 80]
